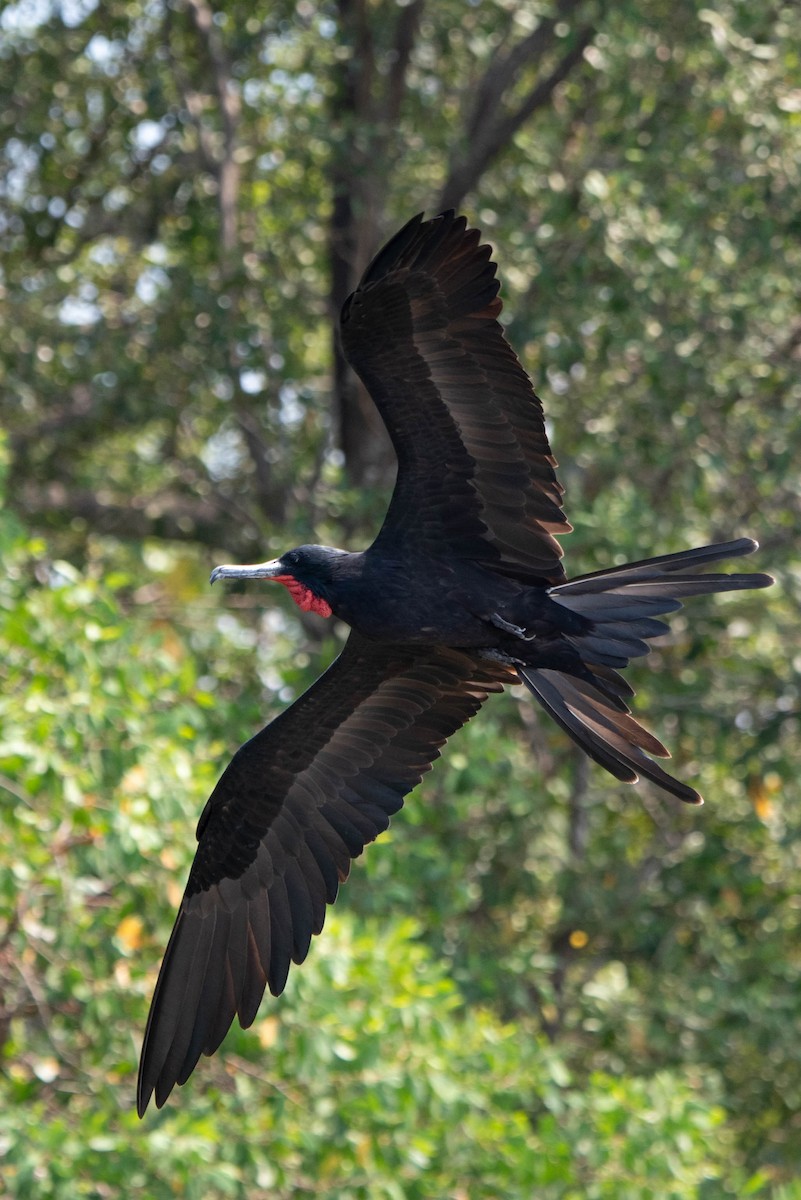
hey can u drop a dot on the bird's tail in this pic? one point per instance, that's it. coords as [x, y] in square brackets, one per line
[620, 607]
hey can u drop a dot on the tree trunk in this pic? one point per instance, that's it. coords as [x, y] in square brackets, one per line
[366, 107]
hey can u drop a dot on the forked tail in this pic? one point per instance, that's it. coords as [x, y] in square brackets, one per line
[621, 606]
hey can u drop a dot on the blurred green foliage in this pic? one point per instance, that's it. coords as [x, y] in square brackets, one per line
[539, 1026]
[539, 983]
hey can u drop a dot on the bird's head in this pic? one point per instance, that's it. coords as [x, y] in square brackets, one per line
[307, 572]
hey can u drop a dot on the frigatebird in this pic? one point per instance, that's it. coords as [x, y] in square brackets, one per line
[461, 593]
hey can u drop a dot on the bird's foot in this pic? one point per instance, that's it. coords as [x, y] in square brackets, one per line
[507, 627]
[502, 657]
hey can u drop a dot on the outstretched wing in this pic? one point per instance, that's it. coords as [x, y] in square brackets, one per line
[277, 836]
[475, 470]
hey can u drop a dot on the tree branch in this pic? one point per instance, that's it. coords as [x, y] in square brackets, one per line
[405, 33]
[502, 72]
[493, 134]
[271, 497]
[360, 66]
[167, 515]
[230, 111]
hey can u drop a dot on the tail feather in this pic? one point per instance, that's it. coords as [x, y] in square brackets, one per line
[618, 608]
[652, 571]
[613, 686]
[612, 738]
[621, 603]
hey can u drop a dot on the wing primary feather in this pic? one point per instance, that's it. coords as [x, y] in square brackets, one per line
[183, 983]
[259, 915]
[208, 1007]
[301, 908]
[255, 978]
[281, 937]
[223, 1018]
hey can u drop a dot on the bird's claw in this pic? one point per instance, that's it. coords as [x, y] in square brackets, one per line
[507, 627]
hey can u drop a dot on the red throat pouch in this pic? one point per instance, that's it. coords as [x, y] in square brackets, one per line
[303, 596]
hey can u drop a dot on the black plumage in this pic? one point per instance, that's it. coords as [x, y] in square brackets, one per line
[462, 592]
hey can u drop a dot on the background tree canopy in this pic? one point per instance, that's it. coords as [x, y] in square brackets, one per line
[540, 983]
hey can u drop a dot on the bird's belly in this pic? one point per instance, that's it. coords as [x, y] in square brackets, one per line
[408, 623]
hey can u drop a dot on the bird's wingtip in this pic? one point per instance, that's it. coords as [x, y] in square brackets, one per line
[150, 1088]
[142, 1100]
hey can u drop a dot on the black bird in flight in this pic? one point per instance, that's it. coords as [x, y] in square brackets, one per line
[461, 593]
